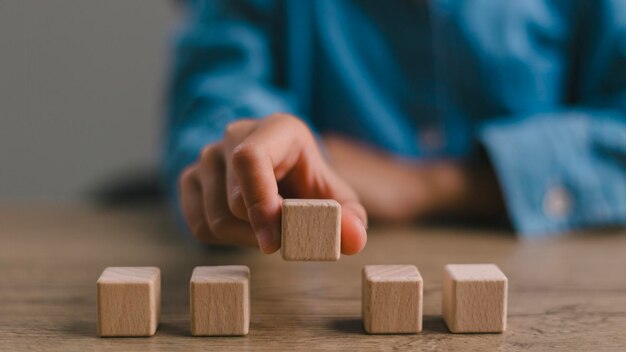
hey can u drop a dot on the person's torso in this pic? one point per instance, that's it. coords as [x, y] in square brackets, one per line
[417, 77]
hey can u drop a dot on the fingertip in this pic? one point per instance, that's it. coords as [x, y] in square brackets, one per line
[270, 248]
[355, 208]
[267, 240]
[353, 234]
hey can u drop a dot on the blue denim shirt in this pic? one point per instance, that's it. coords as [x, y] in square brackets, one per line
[540, 84]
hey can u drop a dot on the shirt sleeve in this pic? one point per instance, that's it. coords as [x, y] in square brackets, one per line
[223, 69]
[566, 169]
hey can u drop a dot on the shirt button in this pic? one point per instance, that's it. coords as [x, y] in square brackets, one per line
[557, 202]
[430, 138]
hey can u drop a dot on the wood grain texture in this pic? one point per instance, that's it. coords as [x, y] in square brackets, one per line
[566, 293]
[474, 298]
[129, 301]
[392, 299]
[311, 230]
[220, 300]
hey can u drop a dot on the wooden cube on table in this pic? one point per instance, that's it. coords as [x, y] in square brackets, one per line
[220, 300]
[129, 301]
[474, 298]
[392, 299]
[311, 230]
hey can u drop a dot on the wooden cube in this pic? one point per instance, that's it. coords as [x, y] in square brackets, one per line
[311, 230]
[474, 298]
[392, 299]
[129, 301]
[220, 300]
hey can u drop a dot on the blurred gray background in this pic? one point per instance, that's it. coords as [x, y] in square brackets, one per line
[81, 94]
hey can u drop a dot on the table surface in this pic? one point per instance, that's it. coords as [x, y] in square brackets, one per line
[565, 293]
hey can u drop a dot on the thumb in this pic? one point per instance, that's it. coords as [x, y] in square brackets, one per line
[353, 214]
[353, 227]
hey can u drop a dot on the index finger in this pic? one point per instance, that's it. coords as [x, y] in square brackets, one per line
[275, 146]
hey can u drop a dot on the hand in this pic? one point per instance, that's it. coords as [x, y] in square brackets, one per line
[392, 189]
[233, 194]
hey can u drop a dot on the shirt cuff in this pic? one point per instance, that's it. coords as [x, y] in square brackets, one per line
[551, 173]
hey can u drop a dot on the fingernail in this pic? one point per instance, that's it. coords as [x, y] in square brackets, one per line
[266, 240]
[363, 227]
[364, 234]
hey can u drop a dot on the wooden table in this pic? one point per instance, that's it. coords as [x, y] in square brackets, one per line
[565, 293]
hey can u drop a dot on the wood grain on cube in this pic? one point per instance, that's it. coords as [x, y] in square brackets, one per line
[129, 301]
[311, 230]
[220, 300]
[392, 299]
[474, 298]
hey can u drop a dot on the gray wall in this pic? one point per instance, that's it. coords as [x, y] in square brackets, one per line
[81, 88]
